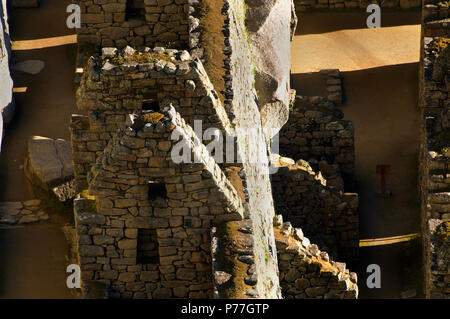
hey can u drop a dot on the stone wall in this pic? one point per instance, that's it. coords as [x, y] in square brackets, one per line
[6, 87]
[304, 5]
[316, 132]
[137, 23]
[307, 272]
[327, 215]
[122, 82]
[253, 149]
[434, 151]
[197, 195]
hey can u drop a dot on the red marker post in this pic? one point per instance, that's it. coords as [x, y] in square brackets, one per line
[383, 170]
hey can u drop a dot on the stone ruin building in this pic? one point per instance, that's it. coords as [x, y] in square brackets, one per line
[148, 227]
[434, 158]
[151, 227]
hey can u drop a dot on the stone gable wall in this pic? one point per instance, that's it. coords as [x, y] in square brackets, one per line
[198, 195]
[111, 91]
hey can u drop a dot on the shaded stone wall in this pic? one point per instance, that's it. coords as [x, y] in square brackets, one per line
[434, 150]
[304, 5]
[307, 272]
[327, 215]
[314, 133]
[197, 196]
[6, 94]
[150, 23]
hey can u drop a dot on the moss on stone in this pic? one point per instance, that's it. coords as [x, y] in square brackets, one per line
[442, 232]
[439, 44]
[441, 142]
[153, 118]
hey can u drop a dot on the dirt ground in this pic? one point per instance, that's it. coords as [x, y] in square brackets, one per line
[380, 82]
[32, 263]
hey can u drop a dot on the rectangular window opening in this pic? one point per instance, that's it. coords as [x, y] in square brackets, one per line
[147, 247]
[135, 9]
[150, 102]
[156, 190]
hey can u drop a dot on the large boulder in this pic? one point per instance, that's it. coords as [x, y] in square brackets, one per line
[6, 83]
[271, 26]
[49, 162]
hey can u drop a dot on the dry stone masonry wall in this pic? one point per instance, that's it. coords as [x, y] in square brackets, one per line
[304, 5]
[253, 150]
[316, 132]
[134, 22]
[327, 215]
[177, 215]
[149, 227]
[126, 81]
[434, 152]
[307, 272]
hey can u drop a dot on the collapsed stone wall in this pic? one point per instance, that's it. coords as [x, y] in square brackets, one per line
[197, 195]
[434, 149]
[118, 23]
[327, 215]
[6, 87]
[307, 272]
[316, 132]
[304, 5]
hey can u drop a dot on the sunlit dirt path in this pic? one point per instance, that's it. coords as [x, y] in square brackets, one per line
[380, 82]
[32, 262]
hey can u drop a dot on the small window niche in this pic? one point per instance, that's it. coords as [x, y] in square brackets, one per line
[156, 190]
[150, 102]
[135, 9]
[147, 247]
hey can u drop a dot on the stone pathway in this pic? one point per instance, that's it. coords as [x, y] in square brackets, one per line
[34, 255]
[22, 212]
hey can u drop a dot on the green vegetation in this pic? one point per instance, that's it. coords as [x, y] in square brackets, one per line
[442, 232]
[439, 44]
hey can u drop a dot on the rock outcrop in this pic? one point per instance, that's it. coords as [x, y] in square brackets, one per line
[6, 96]
[49, 164]
[271, 25]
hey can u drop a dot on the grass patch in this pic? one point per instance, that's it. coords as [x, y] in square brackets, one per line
[442, 232]
[212, 22]
[439, 44]
[235, 288]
